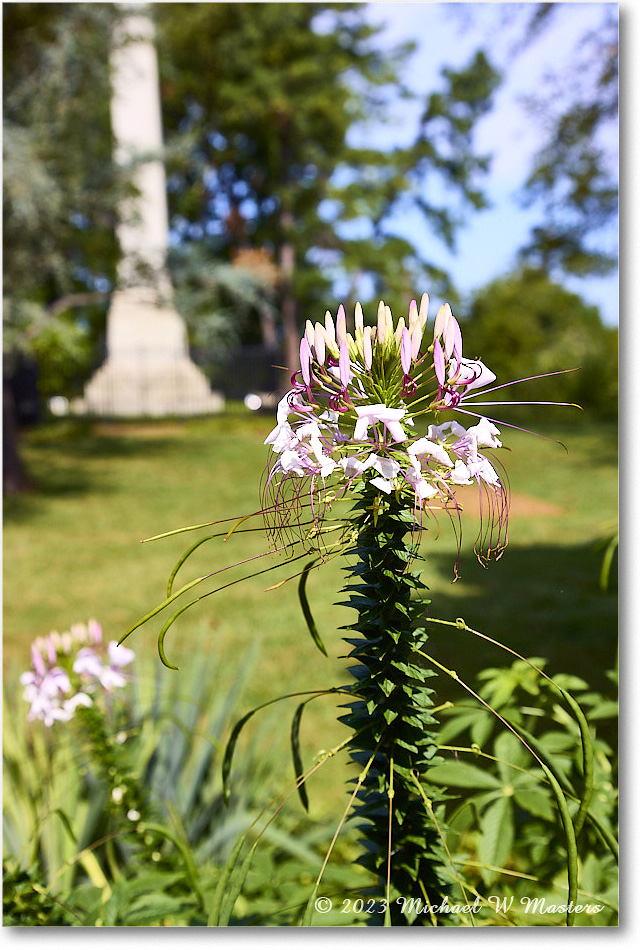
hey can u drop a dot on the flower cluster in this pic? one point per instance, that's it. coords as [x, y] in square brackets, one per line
[68, 669]
[367, 407]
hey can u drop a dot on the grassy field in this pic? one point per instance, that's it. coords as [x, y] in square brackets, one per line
[72, 551]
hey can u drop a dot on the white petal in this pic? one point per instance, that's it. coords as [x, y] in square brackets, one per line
[382, 484]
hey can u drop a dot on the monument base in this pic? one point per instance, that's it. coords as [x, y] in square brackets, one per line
[148, 371]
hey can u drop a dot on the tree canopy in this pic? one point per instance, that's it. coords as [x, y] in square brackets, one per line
[573, 178]
[525, 324]
[265, 97]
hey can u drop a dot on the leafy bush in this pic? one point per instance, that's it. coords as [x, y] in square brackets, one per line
[500, 811]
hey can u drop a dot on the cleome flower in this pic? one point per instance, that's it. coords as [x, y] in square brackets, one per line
[367, 407]
[68, 669]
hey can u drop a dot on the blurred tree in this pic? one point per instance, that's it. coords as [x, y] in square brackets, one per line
[60, 195]
[525, 324]
[266, 97]
[62, 190]
[573, 178]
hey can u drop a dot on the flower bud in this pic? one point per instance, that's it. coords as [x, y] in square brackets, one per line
[341, 325]
[367, 348]
[381, 322]
[309, 333]
[415, 340]
[345, 375]
[406, 351]
[423, 310]
[306, 359]
[329, 326]
[443, 315]
[358, 318]
[413, 315]
[319, 344]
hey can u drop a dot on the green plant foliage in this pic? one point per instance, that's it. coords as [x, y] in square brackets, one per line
[505, 813]
[117, 818]
[525, 325]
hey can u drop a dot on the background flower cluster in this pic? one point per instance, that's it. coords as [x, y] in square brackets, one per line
[69, 669]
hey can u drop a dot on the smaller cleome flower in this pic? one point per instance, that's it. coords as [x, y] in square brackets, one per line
[68, 670]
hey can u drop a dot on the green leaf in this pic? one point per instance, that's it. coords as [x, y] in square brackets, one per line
[462, 775]
[481, 729]
[154, 909]
[509, 749]
[608, 709]
[497, 832]
[235, 886]
[309, 908]
[456, 724]
[568, 681]
[221, 887]
[536, 801]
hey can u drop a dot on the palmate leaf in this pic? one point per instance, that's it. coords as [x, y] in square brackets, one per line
[463, 775]
[536, 801]
[497, 834]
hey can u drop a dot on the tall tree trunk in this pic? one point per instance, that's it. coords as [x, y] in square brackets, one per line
[288, 302]
[14, 476]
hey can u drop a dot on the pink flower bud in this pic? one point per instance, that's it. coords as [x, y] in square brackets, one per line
[416, 338]
[440, 363]
[344, 364]
[319, 344]
[381, 322]
[367, 348]
[406, 351]
[329, 327]
[306, 359]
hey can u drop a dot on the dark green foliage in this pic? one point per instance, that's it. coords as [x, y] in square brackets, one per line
[525, 325]
[26, 903]
[391, 713]
[501, 807]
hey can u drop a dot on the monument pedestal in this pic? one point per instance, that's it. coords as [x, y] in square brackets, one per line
[148, 371]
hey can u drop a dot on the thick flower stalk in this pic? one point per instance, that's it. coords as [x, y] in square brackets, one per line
[391, 712]
[370, 419]
[69, 669]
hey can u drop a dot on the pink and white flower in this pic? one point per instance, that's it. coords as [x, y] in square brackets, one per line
[356, 416]
[68, 671]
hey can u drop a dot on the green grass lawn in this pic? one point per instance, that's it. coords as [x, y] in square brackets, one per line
[72, 551]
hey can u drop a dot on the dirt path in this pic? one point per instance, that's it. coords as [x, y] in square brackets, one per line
[521, 505]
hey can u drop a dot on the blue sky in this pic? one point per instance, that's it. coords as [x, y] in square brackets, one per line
[486, 245]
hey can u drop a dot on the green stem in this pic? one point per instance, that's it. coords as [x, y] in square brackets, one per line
[391, 709]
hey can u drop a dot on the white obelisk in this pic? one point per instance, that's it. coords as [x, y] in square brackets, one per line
[148, 371]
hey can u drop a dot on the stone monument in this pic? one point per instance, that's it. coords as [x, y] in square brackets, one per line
[148, 370]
